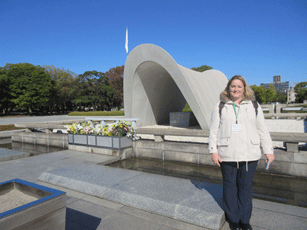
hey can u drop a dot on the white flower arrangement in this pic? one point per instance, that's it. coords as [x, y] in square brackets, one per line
[119, 129]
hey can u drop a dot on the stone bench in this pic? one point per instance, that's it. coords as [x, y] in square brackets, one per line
[160, 133]
[286, 115]
[291, 140]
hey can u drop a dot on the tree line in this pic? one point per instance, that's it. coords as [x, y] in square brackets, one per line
[264, 96]
[270, 95]
[47, 89]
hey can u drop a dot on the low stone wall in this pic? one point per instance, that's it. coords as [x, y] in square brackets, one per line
[276, 111]
[39, 138]
[286, 163]
[121, 153]
[174, 151]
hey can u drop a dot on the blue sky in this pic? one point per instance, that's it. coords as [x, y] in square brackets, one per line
[254, 38]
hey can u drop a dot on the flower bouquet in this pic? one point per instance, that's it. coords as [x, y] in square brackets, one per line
[117, 131]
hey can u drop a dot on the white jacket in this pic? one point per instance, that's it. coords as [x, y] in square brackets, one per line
[243, 145]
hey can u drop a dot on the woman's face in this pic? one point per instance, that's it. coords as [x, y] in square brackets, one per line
[236, 89]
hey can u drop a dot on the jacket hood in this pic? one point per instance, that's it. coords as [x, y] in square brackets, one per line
[224, 97]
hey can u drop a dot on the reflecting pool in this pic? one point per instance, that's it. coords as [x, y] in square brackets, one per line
[266, 186]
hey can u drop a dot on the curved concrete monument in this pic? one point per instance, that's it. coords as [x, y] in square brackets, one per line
[155, 85]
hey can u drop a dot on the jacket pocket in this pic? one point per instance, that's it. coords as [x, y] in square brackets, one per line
[223, 141]
[255, 141]
[223, 146]
[254, 149]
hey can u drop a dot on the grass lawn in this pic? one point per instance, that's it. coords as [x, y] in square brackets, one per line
[8, 128]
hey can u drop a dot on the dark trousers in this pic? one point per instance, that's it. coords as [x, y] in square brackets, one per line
[237, 190]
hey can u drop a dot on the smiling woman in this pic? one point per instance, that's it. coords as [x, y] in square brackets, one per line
[236, 131]
[236, 91]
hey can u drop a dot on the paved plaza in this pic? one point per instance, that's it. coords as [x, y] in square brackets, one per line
[89, 211]
[86, 211]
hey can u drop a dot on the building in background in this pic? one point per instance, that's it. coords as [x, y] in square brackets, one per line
[291, 95]
[277, 83]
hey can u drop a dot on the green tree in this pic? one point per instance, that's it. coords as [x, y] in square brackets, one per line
[5, 99]
[280, 97]
[115, 76]
[65, 87]
[270, 94]
[260, 93]
[301, 92]
[186, 108]
[95, 90]
[202, 68]
[31, 87]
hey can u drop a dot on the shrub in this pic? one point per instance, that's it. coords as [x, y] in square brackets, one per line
[98, 113]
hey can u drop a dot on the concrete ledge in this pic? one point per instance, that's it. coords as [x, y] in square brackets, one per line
[8, 134]
[289, 137]
[276, 136]
[189, 201]
[47, 212]
[122, 153]
[286, 115]
[291, 140]
[175, 151]
[8, 154]
[49, 139]
[173, 132]
[48, 125]
[286, 163]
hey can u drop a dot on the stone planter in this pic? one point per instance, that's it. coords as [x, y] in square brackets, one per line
[121, 142]
[70, 138]
[80, 139]
[104, 142]
[99, 141]
[25, 205]
[179, 119]
[91, 140]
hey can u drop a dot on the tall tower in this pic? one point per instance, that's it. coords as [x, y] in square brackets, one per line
[277, 78]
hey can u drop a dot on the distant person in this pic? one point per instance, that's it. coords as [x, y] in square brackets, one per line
[237, 131]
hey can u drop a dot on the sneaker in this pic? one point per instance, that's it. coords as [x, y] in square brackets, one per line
[234, 226]
[246, 227]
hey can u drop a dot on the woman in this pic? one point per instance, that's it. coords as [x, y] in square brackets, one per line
[237, 131]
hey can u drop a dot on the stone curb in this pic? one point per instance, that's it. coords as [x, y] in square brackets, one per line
[7, 134]
[8, 154]
[179, 199]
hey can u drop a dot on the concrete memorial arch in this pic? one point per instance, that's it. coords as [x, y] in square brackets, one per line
[155, 85]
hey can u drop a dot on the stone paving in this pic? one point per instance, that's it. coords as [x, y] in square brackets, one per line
[8, 154]
[90, 212]
[194, 202]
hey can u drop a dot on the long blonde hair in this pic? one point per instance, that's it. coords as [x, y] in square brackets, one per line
[248, 92]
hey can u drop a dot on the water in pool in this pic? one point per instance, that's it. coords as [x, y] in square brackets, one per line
[33, 149]
[267, 186]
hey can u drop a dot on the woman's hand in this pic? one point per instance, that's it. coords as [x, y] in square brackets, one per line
[216, 159]
[270, 158]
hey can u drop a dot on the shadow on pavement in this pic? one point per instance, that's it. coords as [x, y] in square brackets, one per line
[80, 220]
[215, 190]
